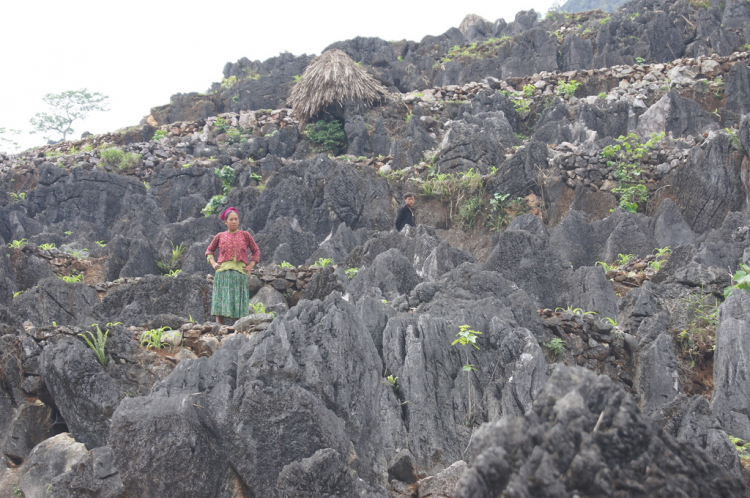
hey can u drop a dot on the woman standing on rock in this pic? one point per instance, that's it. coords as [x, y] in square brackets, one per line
[231, 295]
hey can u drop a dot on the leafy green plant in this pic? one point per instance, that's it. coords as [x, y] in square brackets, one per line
[698, 340]
[15, 197]
[47, 247]
[173, 273]
[153, 338]
[576, 311]
[640, 61]
[17, 244]
[626, 157]
[214, 204]
[567, 89]
[520, 104]
[393, 382]
[256, 177]
[227, 176]
[556, 346]
[528, 90]
[623, 259]
[468, 337]
[146, 185]
[16, 294]
[261, 309]
[71, 279]
[605, 20]
[159, 135]
[101, 243]
[503, 208]
[740, 280]
[229, 82]
[77, 253]
[607, 267]
[467, 213]
[324, 262]
[656, 264]
[329, 135]
[286, 264]
[351, 272]
[603, 95]
[97, 343]
[743, 448]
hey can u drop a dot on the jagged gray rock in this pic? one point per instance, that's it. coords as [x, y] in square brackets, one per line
[572, 440]
[327, 403]
[731, 397]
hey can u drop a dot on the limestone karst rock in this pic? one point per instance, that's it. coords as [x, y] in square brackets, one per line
[356, 385]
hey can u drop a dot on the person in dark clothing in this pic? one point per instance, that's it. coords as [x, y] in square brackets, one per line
[406, 213]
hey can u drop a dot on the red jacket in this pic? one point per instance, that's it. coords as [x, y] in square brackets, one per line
[234, 244]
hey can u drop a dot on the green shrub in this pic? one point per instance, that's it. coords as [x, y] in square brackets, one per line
[351, 272]
[323, 262]
[158, 135]
[286, 264]
[111, 156]
[567, 89]
[626, 159]
[214, 204]
[129, 160]
[116, 158]
[469, 210]
[740, 280]
[329, 135]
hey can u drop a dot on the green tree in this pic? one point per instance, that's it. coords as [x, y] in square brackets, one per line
[67, 107]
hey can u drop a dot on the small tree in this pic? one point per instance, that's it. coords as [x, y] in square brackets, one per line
[67, 107]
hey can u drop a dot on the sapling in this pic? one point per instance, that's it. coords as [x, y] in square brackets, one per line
[465, 337]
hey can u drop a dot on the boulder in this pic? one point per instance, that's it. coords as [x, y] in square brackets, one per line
[48, 460]
[676, 116]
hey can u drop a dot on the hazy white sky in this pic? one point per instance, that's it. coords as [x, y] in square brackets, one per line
[140, 52]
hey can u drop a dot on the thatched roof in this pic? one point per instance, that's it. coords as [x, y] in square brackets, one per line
[330, 80]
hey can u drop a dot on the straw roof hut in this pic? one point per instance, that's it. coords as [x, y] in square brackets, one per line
[328, 82]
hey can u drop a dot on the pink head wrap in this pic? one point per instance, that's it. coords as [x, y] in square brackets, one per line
[227, 211]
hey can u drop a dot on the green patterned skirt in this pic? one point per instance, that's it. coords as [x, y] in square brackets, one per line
[231, 295]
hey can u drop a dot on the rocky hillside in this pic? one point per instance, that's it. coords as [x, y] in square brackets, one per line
[567, 319]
